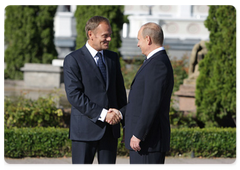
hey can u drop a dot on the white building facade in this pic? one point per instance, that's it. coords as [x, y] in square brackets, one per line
[183, 27]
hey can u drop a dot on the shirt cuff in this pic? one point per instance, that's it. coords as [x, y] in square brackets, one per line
[103, 115]
[121, 115]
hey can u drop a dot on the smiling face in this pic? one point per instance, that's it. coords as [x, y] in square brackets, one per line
[100, 37]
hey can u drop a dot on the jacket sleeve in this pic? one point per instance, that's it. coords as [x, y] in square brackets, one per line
[121, 91]
[74, 90]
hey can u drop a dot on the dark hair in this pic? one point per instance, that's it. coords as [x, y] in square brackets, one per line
[154, 31]
[93, 23]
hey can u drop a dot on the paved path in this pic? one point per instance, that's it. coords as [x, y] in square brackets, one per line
[122, 160]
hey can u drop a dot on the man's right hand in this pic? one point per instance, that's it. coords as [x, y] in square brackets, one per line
[112, 118]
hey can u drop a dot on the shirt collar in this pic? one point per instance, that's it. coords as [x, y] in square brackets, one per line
[92, 51]
[155, 51]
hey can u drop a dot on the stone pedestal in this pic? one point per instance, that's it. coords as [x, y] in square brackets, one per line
[42, 75]
[186, 95]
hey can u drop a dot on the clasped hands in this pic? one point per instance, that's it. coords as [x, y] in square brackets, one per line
[113, 116]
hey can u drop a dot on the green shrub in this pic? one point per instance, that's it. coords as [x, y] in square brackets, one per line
[54, 142]
[216, 83]
[32, 142]
[179, 120]
[180, 68]
[25, 112]
[209, 142]
[130, 71]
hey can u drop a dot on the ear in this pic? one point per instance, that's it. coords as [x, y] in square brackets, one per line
[149, 40]
[90, 34]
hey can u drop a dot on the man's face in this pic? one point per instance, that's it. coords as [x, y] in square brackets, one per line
[101, 36]
[141, 42]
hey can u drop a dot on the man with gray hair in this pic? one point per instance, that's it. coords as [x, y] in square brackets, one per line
[147, 126]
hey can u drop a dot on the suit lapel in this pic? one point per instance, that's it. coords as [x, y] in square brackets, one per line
[140, 69]
[92, 64]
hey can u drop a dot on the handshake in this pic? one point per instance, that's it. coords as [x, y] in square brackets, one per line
[113, 116]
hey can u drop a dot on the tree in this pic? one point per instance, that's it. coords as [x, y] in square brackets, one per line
[113, 13]
[29, 37]
[216, 84]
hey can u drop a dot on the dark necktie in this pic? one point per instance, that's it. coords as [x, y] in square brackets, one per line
[101, 66]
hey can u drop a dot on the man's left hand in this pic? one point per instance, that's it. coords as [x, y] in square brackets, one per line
[135, 143]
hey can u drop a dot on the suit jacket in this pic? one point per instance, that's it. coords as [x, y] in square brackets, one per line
[147, 111]
[89, 94]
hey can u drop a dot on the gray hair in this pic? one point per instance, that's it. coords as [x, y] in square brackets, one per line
[154, 31]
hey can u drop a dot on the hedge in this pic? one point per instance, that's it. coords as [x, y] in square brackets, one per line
[207, 142]
[54, 142]
[32, 142]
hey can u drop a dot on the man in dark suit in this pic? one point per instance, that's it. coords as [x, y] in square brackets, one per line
[147, 127]
[94, 83]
